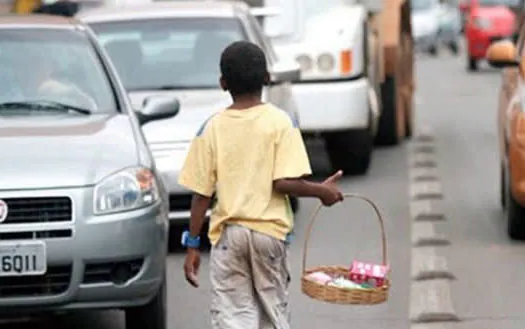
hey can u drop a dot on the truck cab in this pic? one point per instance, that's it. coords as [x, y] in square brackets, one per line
[337, 94]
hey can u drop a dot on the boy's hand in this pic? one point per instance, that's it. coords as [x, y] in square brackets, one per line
[332, 194]
[191, 266]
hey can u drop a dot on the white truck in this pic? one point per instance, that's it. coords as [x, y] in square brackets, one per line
[356, 79]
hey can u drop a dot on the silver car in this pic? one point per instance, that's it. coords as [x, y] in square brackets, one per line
[425, 16]
[83, 214]
[173, 49]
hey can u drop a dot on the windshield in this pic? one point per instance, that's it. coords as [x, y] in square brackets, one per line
[55, 66]
[490, 3]
[418, 5]
[317, 7]
[180, 53]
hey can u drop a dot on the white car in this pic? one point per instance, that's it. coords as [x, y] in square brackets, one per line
[426, 22]
[337, 93]
[173, 49]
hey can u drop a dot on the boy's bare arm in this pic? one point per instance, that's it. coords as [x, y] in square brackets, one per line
[199, 206]
[299, 187]
[326, 191]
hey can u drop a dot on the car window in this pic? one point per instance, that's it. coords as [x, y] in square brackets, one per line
[418, 5]
[178, 53]
[53, 65]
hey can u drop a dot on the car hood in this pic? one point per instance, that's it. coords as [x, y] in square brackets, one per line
[63, 150]
[323, 32]
[425, 22]
[196, 106]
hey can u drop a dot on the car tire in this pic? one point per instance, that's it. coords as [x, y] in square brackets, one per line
[433, 50]
[409, 122]
[515, 217]
[472, 64]
[350, 150]
[503, 188]
[151, 315]
[387, 133]
[454, 47]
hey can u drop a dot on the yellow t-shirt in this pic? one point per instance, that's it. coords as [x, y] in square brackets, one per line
[237, 154]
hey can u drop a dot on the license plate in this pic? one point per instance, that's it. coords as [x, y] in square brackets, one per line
[23, 258]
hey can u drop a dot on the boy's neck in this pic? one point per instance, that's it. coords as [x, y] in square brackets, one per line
[242, 102]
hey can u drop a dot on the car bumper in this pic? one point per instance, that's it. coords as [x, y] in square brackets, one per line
[81, 263]
[333, 105]
[425, 42]
[479, 41]
[449, 35]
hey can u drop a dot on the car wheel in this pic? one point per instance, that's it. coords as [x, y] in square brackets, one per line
[454, 47]
[149, 316]
[433, 50]
[388, 133]
[515, 217]
[472, 64]
[350, 151]
[503, 188]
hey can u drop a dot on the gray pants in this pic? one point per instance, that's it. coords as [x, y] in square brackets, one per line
[250, 276]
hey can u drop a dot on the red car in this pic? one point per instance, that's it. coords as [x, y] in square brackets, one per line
[486, 21]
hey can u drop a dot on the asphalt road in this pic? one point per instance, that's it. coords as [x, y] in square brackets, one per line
[488, 292]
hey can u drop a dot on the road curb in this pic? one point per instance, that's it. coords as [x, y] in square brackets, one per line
[425, 160]
[424, 234]
[423, 174]
[426, 210]
[431, 305]
[434, 325]
[426, 190]
[431, 301]
[428, 265]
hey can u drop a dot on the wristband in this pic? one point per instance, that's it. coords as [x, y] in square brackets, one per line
[189, 241]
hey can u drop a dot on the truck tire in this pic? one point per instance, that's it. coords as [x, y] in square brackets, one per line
[388, 131]
[149, 316]
[408, 97]
[350, 150]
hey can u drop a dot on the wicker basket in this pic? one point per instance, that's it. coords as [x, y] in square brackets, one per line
[337, 295]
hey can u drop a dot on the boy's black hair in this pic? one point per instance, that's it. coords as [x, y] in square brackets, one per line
[243, 68]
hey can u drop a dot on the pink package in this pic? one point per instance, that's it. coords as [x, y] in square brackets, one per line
[320, 277]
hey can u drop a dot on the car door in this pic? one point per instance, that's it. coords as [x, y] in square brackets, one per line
[510, 82]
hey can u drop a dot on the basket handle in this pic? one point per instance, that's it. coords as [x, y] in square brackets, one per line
[346, 196]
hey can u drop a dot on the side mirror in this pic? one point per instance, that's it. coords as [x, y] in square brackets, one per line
[285, 72]
[158, 108]
[502, 54]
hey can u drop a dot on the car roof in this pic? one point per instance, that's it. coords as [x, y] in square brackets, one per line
[38, 21]
[197, 8]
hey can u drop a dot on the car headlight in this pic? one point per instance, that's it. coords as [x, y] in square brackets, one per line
[126, 190]
[482, 23]
[326, 62]
[305, 62]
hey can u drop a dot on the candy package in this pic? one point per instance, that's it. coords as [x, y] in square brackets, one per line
[320, 277]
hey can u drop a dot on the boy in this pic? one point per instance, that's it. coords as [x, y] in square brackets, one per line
[252, 156]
